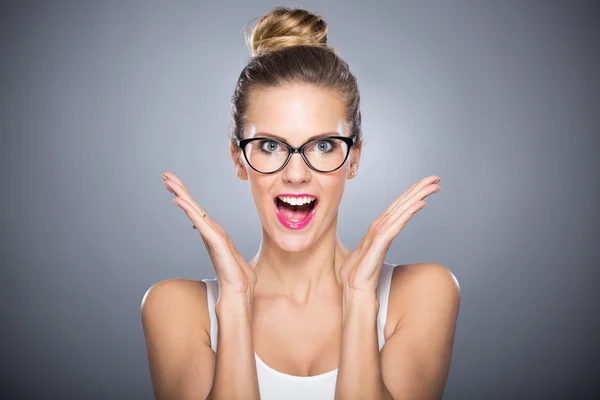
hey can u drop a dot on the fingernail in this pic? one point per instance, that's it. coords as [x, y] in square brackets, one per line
[164, 177]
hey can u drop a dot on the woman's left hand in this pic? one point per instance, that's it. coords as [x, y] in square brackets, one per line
[360, 271]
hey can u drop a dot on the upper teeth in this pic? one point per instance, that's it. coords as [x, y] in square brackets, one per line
[296, 201]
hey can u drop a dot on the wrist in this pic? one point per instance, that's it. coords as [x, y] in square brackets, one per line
[364, 304]
[237, 306]
[360, 297]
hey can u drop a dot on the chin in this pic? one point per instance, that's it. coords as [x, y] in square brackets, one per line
[294, 243]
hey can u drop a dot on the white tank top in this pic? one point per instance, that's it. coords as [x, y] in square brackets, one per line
[275, 385]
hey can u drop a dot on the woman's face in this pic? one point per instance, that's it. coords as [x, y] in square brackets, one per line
[295, 114]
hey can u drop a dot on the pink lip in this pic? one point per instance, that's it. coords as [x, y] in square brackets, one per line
[299, 224]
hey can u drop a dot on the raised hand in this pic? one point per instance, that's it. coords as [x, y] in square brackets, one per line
[235, 275]
[360, 271]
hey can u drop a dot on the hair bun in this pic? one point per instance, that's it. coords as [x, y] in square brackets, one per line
[285, 27]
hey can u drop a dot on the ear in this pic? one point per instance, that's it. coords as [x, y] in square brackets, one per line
[238, 163]
[355, 152]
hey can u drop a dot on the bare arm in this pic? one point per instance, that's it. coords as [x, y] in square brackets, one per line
[359, 373]
[415, 360]
[181, 362]
[235, 372]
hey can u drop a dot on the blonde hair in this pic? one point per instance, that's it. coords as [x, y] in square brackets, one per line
[290, 45]
[284, 27]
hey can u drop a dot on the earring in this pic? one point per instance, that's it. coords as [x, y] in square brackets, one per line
[353, 173]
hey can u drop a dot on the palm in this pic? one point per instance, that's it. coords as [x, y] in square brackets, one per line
[357, 271]
[360, 271]
[235, 275]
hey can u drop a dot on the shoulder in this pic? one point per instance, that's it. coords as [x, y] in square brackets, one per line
[175, 291]
[420, 276]
[178, 301]
[420, 285]
[175, 325]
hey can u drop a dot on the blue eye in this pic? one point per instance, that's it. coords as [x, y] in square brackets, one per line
[269, 146]
[324, 146]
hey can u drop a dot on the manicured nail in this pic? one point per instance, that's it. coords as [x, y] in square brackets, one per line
[164, 177]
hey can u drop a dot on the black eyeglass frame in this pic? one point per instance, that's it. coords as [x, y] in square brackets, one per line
[292, 150]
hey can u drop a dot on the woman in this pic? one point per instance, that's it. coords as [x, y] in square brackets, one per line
[305, 318]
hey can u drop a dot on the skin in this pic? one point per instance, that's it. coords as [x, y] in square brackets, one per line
[319, 292]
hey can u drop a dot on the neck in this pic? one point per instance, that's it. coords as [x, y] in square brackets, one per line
[303, 274]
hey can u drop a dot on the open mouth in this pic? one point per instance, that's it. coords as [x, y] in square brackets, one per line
[295, 216]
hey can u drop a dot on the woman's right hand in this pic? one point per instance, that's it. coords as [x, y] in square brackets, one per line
[235, 275]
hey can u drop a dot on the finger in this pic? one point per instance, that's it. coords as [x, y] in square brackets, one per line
[397, 224]
[385, 228]
[215, 240]
[410, 191]
[201, 223]
[432, 179]
[172, 182]
[375, 226]
[402, 199]
[216, 243]
[181, 192]
[387, 232]
[399, 198]
[216, 235]
[414, 189]
[413, 204]
[404, 212]
[391, 214]
[417, 197]
[173, 177]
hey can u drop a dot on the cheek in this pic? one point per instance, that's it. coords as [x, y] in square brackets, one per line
[260, 189]
[333, 188]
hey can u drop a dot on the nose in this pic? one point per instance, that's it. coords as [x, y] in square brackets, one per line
[296, 171]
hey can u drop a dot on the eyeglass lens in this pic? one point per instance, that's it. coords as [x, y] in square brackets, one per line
[324, 154]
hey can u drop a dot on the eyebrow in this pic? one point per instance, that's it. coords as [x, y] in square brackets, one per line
[267, 134]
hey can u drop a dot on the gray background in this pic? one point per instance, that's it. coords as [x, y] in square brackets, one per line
[500, 99]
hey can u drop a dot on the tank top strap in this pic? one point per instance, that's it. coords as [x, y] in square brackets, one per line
[383, 294]
[212, 294]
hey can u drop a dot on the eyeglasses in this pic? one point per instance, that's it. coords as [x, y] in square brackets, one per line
[322, 154]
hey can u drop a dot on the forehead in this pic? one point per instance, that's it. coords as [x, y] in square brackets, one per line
[294, 112]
